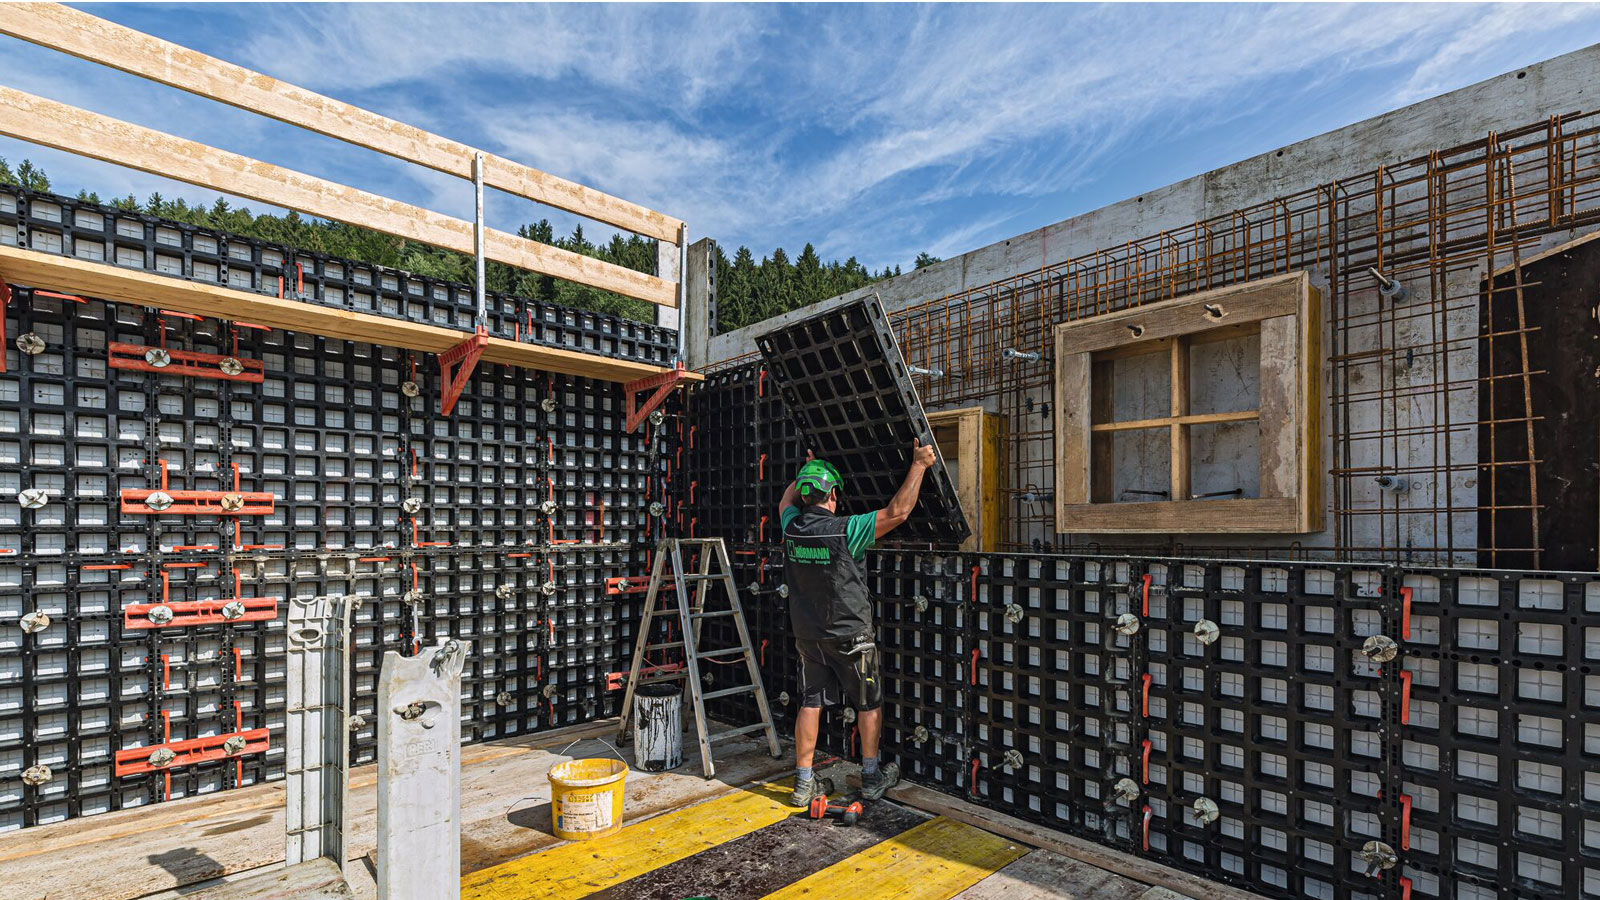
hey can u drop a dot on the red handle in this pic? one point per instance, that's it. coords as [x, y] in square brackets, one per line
[972, 671]
[1146, 607]
[1146, 777]
[1405, 821]
[1405, 888]
[1405, 697]
[1147, 828]
[972, 780]
[1146, 678]
[974, 597]
[1405, 613]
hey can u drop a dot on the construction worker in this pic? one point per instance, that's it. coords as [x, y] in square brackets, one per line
[831, 614]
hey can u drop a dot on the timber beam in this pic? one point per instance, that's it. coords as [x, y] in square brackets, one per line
[49, 271]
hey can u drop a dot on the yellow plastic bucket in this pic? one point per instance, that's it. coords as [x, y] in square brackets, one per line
[586, 798]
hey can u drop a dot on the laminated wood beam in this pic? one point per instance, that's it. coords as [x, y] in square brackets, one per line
[94, 39]
[62, 127]
[93, 279]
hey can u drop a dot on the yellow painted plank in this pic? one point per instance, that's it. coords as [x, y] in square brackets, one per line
[576, 870]
[933, 861]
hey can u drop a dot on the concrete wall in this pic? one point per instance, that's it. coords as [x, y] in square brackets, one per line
[1565, 84]
[1560, 85]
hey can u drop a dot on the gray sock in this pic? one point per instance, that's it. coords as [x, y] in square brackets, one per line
[803, 775]
[869, 765]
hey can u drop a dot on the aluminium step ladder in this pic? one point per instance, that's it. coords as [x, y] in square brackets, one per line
[691, 614]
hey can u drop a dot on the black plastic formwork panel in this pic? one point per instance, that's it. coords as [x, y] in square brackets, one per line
[925, 616]
[1263, 703]
[1055, 692]
[434, 525]
[845, 384]
[1500, 730]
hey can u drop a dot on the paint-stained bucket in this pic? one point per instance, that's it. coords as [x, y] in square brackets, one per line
[658, 727]
[586, 798]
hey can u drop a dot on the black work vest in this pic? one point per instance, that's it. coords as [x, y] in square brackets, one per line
[827, 586]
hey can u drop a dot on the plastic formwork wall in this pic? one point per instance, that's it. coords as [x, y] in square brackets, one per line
[1303, 730]
[500, 523]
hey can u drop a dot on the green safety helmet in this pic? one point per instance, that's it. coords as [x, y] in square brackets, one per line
[816, 479]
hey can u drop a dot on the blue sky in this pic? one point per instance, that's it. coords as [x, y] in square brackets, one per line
[869, 130]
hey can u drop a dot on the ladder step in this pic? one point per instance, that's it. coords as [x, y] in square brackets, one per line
[711, 615]
[703, 577]
[729, 692]
[651, 647]
[728, 652]
[735, 732]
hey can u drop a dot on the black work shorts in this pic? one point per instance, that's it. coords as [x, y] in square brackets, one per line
[840, 671]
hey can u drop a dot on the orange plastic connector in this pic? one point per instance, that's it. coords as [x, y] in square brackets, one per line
[136, 760]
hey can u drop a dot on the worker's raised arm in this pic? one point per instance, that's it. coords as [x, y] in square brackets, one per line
[905, 499]
[791, 494]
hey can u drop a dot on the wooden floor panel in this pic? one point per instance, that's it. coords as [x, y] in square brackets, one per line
[577, 870]
[934, 861]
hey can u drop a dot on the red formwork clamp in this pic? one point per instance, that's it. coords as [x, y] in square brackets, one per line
[635, 584]
[137, 616]
[186, 613]
[662, 384]
[184, 362]
[163, 757]
[164, 502]
[463, 356]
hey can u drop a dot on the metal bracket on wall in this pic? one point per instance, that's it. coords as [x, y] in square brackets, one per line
[662, 385]
[464, 354]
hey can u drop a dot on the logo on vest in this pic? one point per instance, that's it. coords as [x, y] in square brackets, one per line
[798, 553]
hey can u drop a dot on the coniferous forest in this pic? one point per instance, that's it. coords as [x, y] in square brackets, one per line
[748, 291]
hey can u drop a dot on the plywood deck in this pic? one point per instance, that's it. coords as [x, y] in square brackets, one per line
[732, 838]
[505, 800]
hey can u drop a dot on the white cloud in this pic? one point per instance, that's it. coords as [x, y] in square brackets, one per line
[872, 130]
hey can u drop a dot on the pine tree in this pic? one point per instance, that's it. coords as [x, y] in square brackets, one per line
[32, 177]
[925, 260]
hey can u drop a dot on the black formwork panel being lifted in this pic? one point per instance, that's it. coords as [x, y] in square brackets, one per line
[845, 385]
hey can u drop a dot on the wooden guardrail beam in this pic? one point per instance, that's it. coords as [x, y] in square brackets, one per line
[94, 39]
[62, 127]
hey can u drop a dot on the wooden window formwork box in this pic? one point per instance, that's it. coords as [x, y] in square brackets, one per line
[975, 441]
[1285, 311]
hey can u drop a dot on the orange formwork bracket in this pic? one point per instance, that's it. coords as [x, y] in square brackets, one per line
[184, 362]
[161, 757]
[464, 356]
[662, 384]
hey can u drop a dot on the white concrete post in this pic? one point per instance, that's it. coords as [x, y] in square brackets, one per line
[699, 292]
[669, 265]
[419, 773]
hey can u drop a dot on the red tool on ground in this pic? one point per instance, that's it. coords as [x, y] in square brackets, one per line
[846, 814]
